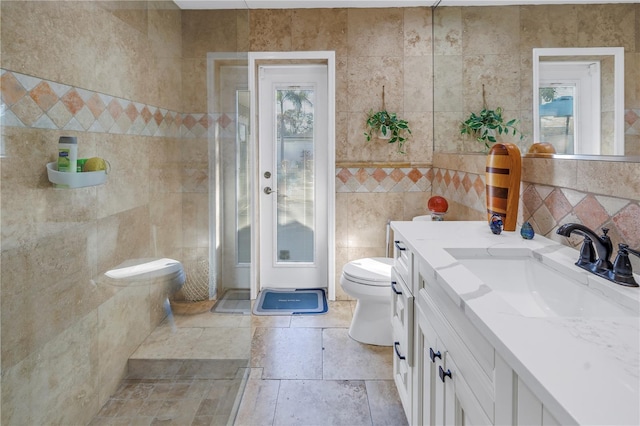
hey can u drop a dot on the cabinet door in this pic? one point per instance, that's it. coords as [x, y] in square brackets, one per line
[429, 393]
[402, 315]
[403, 378]
[460, 404]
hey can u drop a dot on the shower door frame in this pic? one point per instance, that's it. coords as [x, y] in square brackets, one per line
[285, 58]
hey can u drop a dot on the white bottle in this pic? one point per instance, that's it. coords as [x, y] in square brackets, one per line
[67, 154]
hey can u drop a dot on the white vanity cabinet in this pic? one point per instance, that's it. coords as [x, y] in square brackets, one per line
[467, 355]
[402, 321]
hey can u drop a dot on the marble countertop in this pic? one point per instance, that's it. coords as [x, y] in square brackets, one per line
[585, 370]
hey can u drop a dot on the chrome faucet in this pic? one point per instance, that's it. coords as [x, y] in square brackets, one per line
[619, 272]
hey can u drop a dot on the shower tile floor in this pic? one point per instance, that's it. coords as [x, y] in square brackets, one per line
[295, 370]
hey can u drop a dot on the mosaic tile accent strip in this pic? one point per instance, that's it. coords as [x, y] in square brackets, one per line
[33, 102]
[383, 179]
[548, 207]
[632, 122]
[464, 188]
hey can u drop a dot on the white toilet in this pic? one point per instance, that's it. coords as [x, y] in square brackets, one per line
[369, 281]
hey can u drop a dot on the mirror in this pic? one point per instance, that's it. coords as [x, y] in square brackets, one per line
[578, 100]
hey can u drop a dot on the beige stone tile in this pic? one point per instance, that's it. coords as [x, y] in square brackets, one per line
[599, 25]
[367, 76]
[165, 29]
[419, 147]
[342, 219]
[447, 137]
[168, 86]
[322, 403]
[258, 403]
[368, 217]
[127, 185]
[195, 231]
[447, 85]
[122, 237]
[319, 29]
[194, 79]
[123, 323]
[417, 31]
[447, 31]
[499, 73]
[342, 79]
[209, 319]
[195, 343]
[562, 173]
[415, 204]
[417, 84]
[384, 401]
[548, 26]
[357, 148]
[342, 138]
[67, 362]
[338, 315]
[288, 353]
[271, 30]
[200, 37]
[600, 177]
[346, 359]
[372, 31]
[490, 30]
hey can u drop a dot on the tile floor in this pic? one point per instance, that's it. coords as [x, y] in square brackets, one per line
[295, 370]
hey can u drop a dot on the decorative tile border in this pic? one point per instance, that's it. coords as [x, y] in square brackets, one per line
[548, 207]
[464, 188]
[33, 102]
[383, 179]
[632, 122]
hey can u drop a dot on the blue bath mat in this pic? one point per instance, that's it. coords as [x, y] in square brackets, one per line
[291, 302]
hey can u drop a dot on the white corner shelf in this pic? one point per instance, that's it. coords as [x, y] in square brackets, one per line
[75, 180]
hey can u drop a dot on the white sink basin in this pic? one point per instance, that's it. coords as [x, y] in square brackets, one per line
[536, 290]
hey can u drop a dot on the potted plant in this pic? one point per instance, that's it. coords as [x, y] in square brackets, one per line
[386, 125]
[487, 124]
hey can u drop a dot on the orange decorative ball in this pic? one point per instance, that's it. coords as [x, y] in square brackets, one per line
[437, 204]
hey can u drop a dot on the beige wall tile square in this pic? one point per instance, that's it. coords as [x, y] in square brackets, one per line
[490, 30]
[271, 30]
[319, 29]
[376, 32]
[417, 31]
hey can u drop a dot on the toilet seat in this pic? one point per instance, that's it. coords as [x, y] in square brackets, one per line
[371, 271]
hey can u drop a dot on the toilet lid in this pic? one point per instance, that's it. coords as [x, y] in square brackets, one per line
[370, 271]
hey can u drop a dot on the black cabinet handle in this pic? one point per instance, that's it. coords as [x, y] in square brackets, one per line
[393, 287]
[443, 373]
[395, 346]
[397, 243]
[433, 355]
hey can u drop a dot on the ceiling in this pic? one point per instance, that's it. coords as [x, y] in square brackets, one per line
[301, 4]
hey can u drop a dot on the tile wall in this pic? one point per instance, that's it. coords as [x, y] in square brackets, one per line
[109, 74]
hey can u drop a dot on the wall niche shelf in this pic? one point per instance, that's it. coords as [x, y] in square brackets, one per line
[74, 180]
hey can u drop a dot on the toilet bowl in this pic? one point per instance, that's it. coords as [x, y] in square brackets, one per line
[148, 271]
[368, 280]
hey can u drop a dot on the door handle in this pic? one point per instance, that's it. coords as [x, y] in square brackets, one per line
[267, 190]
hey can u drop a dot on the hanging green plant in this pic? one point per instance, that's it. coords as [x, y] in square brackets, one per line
[386, 125]
[485, 125]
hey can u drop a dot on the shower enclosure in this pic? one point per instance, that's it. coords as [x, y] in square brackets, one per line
[229, 173]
